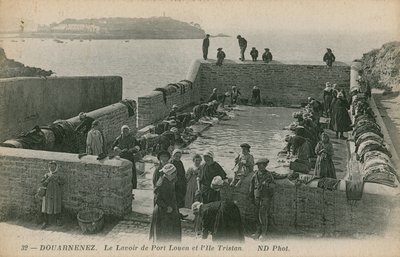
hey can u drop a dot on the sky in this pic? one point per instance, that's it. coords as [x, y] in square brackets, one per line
[219, 16]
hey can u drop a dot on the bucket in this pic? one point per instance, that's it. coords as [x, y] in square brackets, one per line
[91, 220]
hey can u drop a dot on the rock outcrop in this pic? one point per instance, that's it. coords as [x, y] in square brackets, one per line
[10, 68]
[381, 67]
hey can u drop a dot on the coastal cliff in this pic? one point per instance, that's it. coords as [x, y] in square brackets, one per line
[10, 68]
[381, 67]
[120, 28]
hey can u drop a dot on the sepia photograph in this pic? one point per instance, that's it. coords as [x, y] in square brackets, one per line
[199, 128]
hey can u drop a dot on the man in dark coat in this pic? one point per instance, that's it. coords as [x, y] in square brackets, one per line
[222, 219]
[206, 44]
[180, 185]
[211, 169]
[242, 45]
[220, 57]
[254, 54]
[261, 195]
[329, 57]
[267, 56]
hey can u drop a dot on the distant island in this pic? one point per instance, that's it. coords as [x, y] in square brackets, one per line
[120, 28]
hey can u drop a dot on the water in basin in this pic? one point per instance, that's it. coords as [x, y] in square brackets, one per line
[261, 127]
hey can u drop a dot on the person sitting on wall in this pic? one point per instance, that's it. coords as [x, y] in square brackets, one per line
[85, 124]
[256, 95]
[51, 194]
[244, 164]
[220, 57]
[222, 219]
[267, 56]
[235, 93]
[95, 140]
[127, 147]
[261, 195]
[329, 57]
[254, 54]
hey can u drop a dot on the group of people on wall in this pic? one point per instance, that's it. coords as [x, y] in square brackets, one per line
[329, 58]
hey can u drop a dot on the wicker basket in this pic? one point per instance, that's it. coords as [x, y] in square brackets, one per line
[91, 220]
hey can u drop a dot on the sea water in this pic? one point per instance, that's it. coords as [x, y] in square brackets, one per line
[147, 64]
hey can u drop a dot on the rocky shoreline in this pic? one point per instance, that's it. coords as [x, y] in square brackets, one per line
[10, 68]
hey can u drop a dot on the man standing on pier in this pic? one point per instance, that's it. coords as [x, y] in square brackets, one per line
[206, 44]
[329, 57]
[243, 45]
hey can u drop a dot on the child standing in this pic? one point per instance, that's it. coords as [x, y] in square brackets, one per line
[244, 164]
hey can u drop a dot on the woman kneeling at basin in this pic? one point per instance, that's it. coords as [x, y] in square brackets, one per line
[166, 223]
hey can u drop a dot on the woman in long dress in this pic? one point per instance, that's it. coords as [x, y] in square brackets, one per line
[192, 175]
[51, 202]
[340, 121]
[324, 165]
[94, 140]
[328, 96]
[166, 223]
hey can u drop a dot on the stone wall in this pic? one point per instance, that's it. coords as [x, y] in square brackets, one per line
[111, 119]
[155, 106]
[280, 84]
[300, 209]
[89, 183]
[26, 102]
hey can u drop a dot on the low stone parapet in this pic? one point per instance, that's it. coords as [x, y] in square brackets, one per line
[102, 184]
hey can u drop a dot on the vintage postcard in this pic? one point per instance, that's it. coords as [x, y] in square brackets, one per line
[199, 128]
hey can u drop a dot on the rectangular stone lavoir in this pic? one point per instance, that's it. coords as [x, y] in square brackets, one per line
[280, 85]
